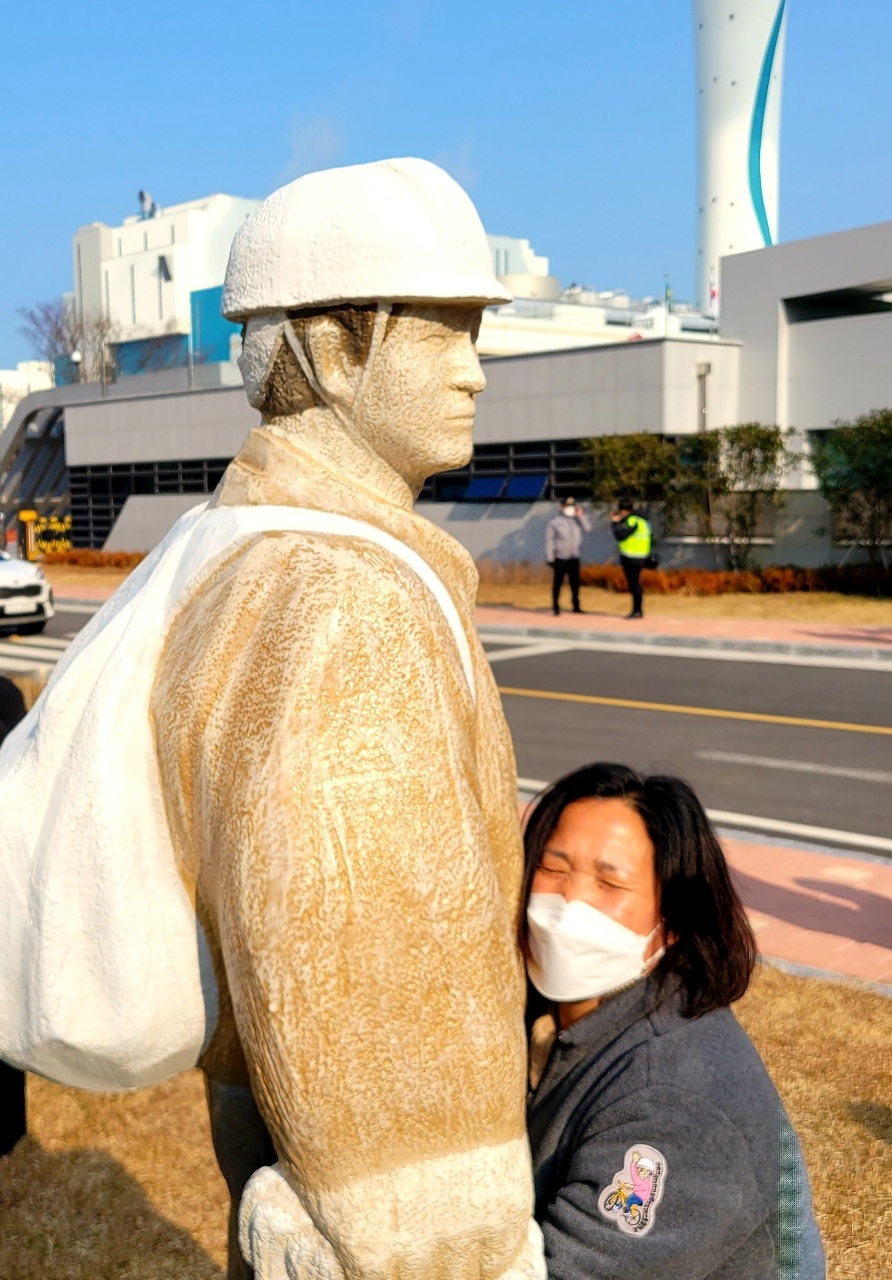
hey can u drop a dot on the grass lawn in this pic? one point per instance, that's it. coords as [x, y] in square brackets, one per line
[793, 606]
[67, 577]
[125, 1186]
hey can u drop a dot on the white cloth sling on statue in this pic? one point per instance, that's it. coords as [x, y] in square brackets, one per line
[105, 978]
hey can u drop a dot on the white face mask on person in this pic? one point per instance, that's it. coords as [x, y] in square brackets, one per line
[578, 952]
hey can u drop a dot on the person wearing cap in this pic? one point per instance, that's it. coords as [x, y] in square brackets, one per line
[563, 541]
[336, 766]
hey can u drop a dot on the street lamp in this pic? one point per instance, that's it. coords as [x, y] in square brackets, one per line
[77, 360]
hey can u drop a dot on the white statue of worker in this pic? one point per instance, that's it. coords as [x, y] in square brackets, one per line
[268, 819]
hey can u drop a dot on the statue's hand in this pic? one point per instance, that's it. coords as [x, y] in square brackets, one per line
[277, 1236]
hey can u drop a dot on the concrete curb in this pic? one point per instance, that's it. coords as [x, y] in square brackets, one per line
[78, 602]
[827, 975]
[721, 644]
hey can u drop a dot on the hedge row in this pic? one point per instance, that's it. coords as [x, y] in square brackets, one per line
[96, 559]
[855, 580]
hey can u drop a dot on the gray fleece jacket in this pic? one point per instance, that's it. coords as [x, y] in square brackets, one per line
[661, 1150]
[563, 536]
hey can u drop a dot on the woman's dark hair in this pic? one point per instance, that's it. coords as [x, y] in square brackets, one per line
[713, 951]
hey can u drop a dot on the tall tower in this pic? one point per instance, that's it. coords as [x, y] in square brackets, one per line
[740, 56]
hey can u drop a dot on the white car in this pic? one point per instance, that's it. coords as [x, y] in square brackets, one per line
[26, 598]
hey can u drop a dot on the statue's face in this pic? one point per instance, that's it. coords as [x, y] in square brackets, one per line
[417, 411]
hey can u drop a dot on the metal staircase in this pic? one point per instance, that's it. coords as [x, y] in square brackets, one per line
[33, 473]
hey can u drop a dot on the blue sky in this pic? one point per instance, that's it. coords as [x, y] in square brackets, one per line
[571, 123]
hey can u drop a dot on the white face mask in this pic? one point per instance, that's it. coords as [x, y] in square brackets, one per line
[578, 952]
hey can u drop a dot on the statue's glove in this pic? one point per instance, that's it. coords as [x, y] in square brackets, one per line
[277, 1236]
[530, 1263]
[279, 1239]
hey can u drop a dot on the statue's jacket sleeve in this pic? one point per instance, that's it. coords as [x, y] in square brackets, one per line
[346, 815]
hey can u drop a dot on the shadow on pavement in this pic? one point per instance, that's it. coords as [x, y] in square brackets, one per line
[858, 914]
[853, 635]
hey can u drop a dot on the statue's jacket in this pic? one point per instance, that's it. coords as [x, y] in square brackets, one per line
[344, 813]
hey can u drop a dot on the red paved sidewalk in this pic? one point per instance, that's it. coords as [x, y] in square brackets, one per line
[825, 911]
[739, 629]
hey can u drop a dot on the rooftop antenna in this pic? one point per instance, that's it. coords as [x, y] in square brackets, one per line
[147, 206]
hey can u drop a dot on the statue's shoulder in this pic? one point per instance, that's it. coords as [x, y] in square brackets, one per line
[279, 587]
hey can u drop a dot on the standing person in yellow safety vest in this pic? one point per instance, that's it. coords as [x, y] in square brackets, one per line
[633, 534]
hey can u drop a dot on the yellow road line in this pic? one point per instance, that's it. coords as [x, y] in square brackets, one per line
[712, 712]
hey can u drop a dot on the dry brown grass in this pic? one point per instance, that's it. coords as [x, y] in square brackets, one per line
[31, 688]
[815, 607]
[828, 1047]
[125, 1187]
[70, 577]
[114, 1187]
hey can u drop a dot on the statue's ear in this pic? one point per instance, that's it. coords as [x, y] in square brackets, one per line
[330, 355]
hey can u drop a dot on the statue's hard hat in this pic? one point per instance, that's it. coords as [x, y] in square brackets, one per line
[391, 231]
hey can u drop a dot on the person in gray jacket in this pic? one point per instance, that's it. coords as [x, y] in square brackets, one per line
[563, 541]
[660, 1146]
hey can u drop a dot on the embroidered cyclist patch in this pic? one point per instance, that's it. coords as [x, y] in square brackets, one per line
[636, 1190]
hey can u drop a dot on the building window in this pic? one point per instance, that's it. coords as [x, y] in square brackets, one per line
[132, 295]
[145, 240]
[107, 304]
[80, 283]
[173, 233]
[98, 493]
[523, 472]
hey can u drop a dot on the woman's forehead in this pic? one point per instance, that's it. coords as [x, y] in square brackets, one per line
[601, 829]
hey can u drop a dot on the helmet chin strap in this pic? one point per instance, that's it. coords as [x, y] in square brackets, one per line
[379, 328]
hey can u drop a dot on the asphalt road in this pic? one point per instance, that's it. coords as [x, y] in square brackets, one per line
[65, 625]
[819, 776]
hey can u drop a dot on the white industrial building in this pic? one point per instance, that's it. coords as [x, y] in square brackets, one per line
[805, 335]
[157, 278]
[15, 384]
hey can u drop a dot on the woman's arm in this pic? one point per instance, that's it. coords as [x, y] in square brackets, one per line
[620, 530]
[701, 1203]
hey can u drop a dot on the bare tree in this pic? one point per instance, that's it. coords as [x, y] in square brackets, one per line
[56, 331]
[732, 482]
